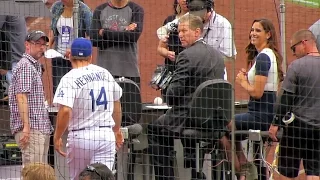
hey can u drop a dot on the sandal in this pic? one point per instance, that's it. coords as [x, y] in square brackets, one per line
[249, 170]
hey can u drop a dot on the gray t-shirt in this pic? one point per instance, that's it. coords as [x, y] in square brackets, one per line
[303, 80]
[118, 51]
[315, 29]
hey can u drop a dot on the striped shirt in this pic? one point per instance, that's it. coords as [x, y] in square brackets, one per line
[26, 79]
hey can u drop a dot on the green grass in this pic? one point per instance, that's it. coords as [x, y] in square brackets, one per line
[307, 3]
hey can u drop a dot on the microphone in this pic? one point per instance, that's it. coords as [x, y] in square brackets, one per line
[134, 129]
[131, 130]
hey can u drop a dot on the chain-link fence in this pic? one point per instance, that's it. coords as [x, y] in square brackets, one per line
[201, 84]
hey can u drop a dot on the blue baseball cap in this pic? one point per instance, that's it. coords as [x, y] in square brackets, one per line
[81, 47]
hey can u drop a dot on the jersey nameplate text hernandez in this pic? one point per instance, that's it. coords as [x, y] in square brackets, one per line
[87, 78]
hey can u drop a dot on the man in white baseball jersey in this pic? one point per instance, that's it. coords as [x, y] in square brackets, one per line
[89, 106]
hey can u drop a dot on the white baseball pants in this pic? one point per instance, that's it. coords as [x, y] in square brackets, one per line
[89, 146]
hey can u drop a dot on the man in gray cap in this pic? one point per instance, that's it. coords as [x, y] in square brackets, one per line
[29, 118]
[217, 29]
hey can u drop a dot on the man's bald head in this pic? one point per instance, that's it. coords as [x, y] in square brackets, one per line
[303, 34]
[303, 43]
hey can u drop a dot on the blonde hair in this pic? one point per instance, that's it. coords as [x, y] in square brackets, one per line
[194, 21]
[38, 171]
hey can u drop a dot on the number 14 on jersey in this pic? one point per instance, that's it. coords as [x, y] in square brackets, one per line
[101, 100]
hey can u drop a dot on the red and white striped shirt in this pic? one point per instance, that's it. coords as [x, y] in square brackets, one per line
[27, 79]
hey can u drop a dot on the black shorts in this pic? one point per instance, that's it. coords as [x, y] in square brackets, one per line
[300, 142]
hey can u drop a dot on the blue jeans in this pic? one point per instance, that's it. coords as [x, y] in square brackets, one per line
[246, 121]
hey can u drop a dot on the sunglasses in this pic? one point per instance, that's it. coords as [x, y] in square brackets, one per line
[293, 47]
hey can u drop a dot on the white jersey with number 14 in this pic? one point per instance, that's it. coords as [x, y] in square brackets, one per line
[90, 91]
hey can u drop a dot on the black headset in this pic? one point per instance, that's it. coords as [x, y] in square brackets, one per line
[209, 4]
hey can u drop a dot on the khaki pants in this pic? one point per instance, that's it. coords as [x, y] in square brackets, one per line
[37, 150]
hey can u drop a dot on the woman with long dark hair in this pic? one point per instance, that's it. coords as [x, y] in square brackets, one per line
[261, 82]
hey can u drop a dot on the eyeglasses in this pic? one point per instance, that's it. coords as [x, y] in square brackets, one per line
[38, 44]
[293, 47]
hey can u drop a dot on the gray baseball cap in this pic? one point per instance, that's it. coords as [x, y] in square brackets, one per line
[198, 7]
[36, 35]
